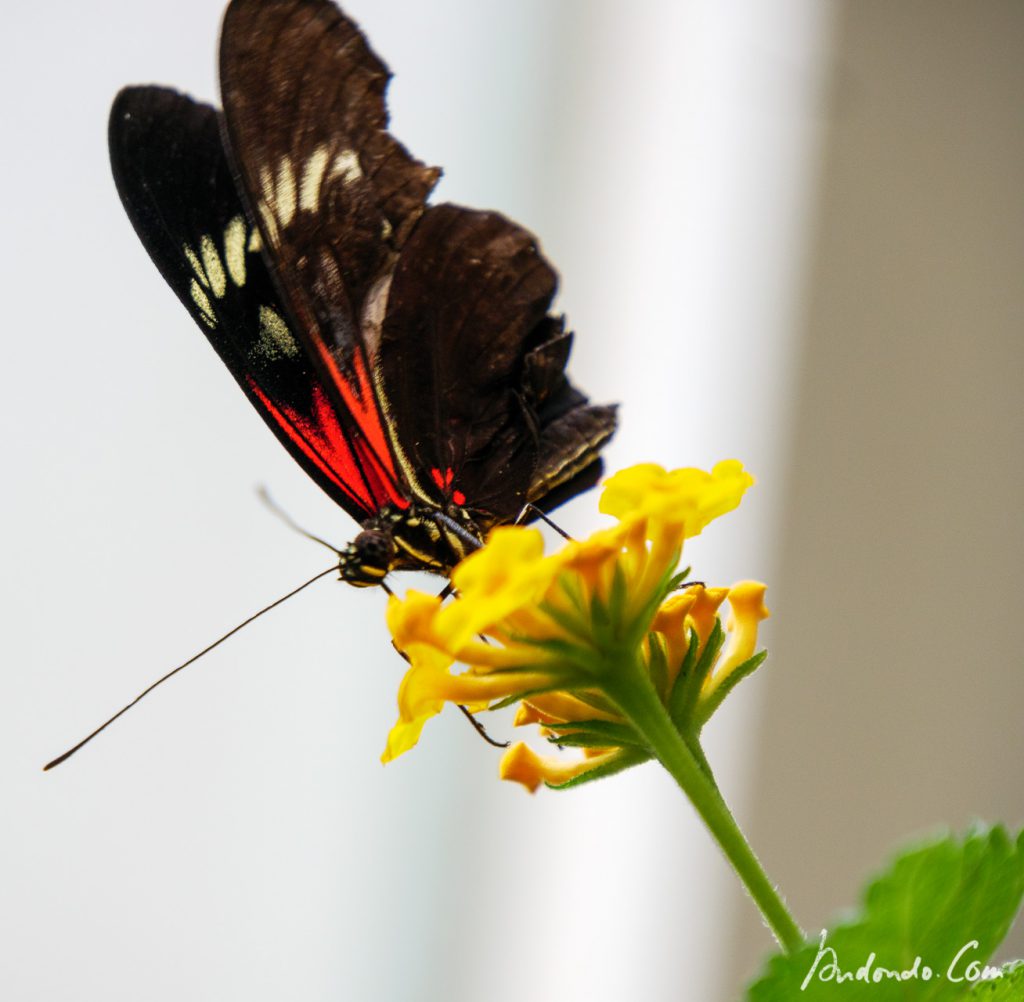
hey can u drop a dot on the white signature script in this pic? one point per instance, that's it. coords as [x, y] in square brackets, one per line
[961, 968]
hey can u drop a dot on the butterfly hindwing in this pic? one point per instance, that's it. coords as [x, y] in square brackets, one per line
[472, 365]
[572, 431]
[179, 193]
[468, 293]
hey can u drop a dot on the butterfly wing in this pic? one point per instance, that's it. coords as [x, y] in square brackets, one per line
[174, 180]
[472, 365]
[445, 306]
[333, 193]
[572, 431]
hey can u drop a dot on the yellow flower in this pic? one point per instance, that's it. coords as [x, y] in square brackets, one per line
[553, 631]
[689, 495]
[746, 600]
[699, 673]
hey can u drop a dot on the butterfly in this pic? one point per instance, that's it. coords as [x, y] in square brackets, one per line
[403, 353]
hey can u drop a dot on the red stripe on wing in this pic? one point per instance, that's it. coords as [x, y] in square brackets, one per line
[361, 403]
[444, 481]
[355, 468]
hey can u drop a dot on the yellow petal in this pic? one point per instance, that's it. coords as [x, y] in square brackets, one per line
[494, 581]
[704, 613]
[428, 685]
[587, 557]
[486, 657]
[521, 764]
[626, 491]
[527, 714]
[687, 496]
[411, 619]
[403, 736]
[746, 600]
[729, 482]
[562, 707]
[670, 622]
[507, 569]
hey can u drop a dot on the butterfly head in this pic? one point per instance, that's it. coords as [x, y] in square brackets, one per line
[368, 558]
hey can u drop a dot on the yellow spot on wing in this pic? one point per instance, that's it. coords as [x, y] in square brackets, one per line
[202, 301]
[196, 265]
[234, 250]
[267, 184]
[269, 222]
[214, 269]
[286, 195]
[275, 338]
[346, 164]
[255, 244]
[312, 179]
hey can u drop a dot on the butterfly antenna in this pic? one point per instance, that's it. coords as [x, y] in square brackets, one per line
[196, 657]
[264, 496]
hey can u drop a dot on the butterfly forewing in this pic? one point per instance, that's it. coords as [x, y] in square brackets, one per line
[179, 193]
[334, 194]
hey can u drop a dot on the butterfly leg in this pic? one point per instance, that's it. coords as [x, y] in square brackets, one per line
[481, 730]
[477, 726]
[532, 509]
[460, 531]
[681, 581]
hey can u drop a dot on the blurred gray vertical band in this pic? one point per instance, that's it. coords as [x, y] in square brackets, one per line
[672, 154]
[895, 689]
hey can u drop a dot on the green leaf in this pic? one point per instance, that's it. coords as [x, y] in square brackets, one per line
[594, 698]
[657, 663]
[568, 619]
[709, 654]
[600, 618]
[572, 588]
[679, 579]
[568, 653]
[617, 595]
[948, 902]
[678, 697]
[501, 704]
[737, 675]
[689, 683]
[1008, 987]
[591, 739]
[606, 733]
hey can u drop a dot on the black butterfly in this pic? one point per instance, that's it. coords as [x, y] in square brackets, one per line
[402, 353]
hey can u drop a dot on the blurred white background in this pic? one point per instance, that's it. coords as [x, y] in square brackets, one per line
[787, 232]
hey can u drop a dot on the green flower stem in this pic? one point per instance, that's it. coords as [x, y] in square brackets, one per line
[635, 696]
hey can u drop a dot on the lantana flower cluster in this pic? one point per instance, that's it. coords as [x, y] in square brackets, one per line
[564, 635]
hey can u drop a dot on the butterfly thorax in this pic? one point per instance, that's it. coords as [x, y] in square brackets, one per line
[420, 537]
